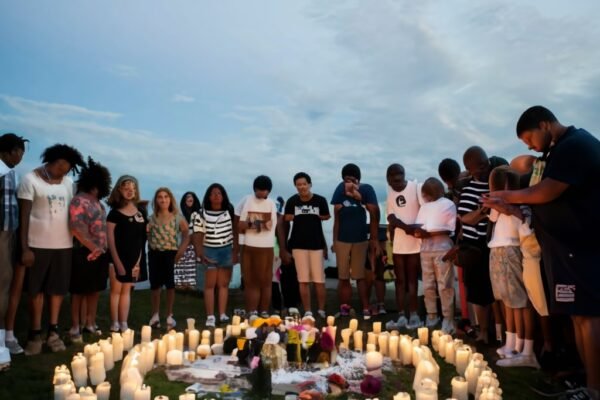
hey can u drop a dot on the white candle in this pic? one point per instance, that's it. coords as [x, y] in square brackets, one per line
[171, 343]
[161, 357]
[219, 336]
[435, 337]
[107, 348]
[161, 398]
[371, 338]
[450, 353]
[474, 369]
[463, 356]
[406, 349]
[117, 342]
[62, 390]
[175, 357]
[235, 320]
[377, 327]
[374, 362]
[353, 325]
[87, 393]
[79, 368]
[203, 351]
[73, 396]
[142, 393]
[187, 396]
[179, 341]
[191, 324]
[90, 349]
[146, 334]
[402, 396]
[103, 391]
[460, 388]
[382, 341]
[393, 347]
[425, 370]
[236, 330]
[128, 390]
[427, 390]
[193, 339]
[358, 340]
[423, 333]
[330, 320]
[371, 347]
[128, 337]
[442, 345]
[97, 371]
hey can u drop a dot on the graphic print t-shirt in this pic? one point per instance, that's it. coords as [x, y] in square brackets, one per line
[49, 218]
[264, 210]
[405, 206]
[307, 230]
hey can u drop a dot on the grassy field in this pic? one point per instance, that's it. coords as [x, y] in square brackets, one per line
[30, 377]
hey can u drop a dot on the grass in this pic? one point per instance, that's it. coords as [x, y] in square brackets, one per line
[31, 377]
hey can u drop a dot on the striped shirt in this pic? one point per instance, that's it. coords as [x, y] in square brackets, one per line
[9, 210]
[469, 201]
[217, 227]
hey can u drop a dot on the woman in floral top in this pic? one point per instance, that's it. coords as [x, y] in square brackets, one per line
[87, 221]
[163, 233]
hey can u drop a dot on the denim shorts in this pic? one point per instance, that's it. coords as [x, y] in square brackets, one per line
[220, 255]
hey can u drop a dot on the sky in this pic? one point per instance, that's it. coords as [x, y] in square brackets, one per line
[186, 93]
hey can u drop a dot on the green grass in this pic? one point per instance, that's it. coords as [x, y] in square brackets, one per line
[31, 377]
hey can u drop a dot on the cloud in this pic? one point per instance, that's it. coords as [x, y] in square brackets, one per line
[124, 71]
[182, 98]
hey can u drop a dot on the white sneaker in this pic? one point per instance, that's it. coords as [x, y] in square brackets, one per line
[224, 318]
[210, 321]
[414, 322]
[432, 322]
[519, 360]
[402, 322]
[171, 323]
[154, 321]
[14, 347]
[308, 314]
[322, 314]
[504, 352]
[448, 326]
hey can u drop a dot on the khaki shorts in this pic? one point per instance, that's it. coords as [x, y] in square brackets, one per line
[309, 265]
[351, 258]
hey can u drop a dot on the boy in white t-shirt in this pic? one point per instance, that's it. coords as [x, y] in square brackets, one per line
[506, 274]
[258, 220]
[437, 218]
[403, 203]
[44, 196]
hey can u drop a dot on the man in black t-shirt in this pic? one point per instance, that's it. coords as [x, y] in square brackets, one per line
[566, 222]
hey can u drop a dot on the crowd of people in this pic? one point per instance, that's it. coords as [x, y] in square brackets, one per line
[522, 238]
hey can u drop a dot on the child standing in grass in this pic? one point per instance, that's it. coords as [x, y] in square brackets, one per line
[163, 233]
[506, 273]
[438, 218]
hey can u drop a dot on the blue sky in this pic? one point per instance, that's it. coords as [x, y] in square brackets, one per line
[185, 93]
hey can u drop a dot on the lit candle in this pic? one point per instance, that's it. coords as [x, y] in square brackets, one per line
[435, 337]
[462, 358]
[460, 388]
[191, 324]
[142, 393]
[219, 336]
[79, 368]
[87, 393]
[235, 320]
[417, 355]
[374, 362]
[377, 327]
[103, 391]
[203, 351]
[371, 338]
[90, 349]
[393, 347]
[346, 333]
[97, 371]
[107, 348]
[423, 333]
[353, 325]
[236, 330]
[179, 341]
[442, 345]
[371, 347]
[450, 353]
[406, 349]
[474, 369]
[427, 390]
[73, 396]
[187, 396]
[425, 370]
[382, 341]
[128, 390]
[402, 396]
[161, 356]
[330, 320]
[205, 337]
[62, 390]
[193, 339]
[358, 340]
[117, 342]
[175, 357]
